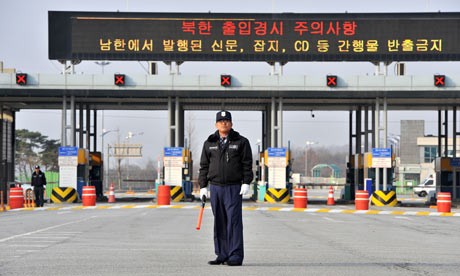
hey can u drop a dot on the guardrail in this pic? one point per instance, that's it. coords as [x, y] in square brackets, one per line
[319, 186]
[138, 185]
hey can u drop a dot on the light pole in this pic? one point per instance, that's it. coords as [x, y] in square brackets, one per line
[258, 165]
[307, 147]
[104, 132]
[127, 138]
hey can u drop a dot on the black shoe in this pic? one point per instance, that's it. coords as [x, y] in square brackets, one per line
[216, 262]
[234, 263]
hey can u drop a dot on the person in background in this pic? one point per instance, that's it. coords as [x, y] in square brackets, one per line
[226, 164]
[38, 183]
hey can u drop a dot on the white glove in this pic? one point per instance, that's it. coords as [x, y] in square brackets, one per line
[244, 189]
[203, 192]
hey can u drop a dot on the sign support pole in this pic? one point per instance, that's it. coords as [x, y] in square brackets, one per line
[377, 140]
[385, 134]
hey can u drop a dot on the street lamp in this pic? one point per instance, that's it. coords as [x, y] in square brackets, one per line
[131, 135]
[258, 143]
[307, 147]
[394, 140]
[102, 64]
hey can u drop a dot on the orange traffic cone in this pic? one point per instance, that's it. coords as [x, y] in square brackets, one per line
[330, 197]
[112, 194]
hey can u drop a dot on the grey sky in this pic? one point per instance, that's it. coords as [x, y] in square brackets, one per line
[24, 46]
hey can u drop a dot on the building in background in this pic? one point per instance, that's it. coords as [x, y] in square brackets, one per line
[417, 153]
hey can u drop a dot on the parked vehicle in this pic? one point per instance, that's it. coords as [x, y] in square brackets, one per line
[425, 187]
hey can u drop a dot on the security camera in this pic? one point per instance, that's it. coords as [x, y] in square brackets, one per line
[312, 115]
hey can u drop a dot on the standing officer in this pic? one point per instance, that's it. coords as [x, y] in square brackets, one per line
[226, 164]
[38, 182]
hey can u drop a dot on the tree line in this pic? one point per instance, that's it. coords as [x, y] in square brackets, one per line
[34, 148]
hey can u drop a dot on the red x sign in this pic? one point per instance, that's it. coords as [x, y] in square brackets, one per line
[21, 79]
[120, 79]
[225, 80]
[439, 80]
[331, 81]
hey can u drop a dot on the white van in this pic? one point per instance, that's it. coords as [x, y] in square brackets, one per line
[425, 187]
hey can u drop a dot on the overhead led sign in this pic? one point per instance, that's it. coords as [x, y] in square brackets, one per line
[254, 37]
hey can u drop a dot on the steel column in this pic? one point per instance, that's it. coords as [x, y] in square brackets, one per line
[280, 123]
[377, 140]
[73, 119]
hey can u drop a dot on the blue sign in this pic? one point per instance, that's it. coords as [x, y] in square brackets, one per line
[68, 151]
[277, 152]
[381, 153]
[173, 151]
[455, 162]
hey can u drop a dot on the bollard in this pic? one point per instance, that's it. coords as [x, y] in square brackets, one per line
[361, 200]
[2, 207]
[443, 202]
[330, 197]
[16, 198]
[26, 199]
[164, 196]
[88, 197]
[29, 199]
[300, 198]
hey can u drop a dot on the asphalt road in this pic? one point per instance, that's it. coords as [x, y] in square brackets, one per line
[157, 241]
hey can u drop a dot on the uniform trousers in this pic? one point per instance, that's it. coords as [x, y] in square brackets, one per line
[226, 203]
[38, 191]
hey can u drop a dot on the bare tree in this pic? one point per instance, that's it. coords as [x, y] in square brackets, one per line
[190, 131]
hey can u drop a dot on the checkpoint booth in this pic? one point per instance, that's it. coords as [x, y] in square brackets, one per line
[177, 162]
[375, 164]
[73, 174]
[276, 162]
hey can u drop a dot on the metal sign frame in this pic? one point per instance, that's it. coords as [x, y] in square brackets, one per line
[282, 37]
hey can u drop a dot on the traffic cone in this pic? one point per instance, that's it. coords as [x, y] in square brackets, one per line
[330, 197]
[112, 194]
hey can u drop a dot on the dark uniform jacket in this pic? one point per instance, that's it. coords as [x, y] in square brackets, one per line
[38, 179]
[230, 165]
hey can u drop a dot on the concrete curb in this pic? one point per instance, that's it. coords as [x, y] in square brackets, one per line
[248, 208]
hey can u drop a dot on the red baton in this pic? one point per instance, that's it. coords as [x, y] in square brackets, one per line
[200, 216]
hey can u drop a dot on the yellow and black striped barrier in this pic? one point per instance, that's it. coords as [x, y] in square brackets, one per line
[64, 194]
[384, 198]
[177, 194]
[277, 195]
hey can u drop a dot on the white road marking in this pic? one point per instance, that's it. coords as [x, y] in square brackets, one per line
[44, 229]
[65, 212]
[332, 220]
[400, 217]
